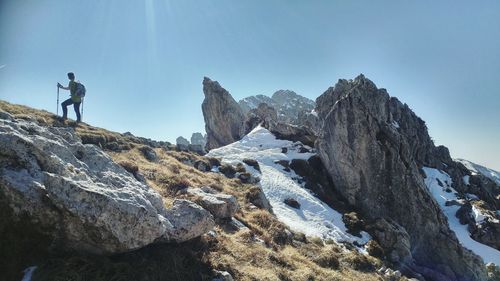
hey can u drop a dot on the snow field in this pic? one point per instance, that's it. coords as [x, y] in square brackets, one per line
[314, 218]
[439, 193]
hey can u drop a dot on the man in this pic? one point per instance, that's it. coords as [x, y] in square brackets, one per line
[74, 100]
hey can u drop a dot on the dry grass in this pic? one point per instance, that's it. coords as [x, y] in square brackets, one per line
[267, 250]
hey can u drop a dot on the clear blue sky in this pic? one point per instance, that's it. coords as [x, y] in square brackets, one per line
[143, 61]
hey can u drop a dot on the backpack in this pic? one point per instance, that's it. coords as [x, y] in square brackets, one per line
[80, 90]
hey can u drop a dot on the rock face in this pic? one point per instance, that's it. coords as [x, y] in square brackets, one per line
[80, 197]
[372, 146]
[198, 139]
[223, 116]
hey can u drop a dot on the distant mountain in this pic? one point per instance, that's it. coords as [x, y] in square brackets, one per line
[288, 104]
[478, 169]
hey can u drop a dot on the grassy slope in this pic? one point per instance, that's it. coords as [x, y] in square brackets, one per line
[261, 252]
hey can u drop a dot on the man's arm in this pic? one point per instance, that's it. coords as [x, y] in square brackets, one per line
[62, 87]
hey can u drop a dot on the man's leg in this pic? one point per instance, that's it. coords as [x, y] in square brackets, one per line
[65, 108]
[76, 106]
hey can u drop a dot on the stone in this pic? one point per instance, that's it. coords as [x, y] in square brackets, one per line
[202, 165]
[292, 203]
[246, 178]
[252, 163]
[198, 139]
[79, 196]
[189, 221]
[227, 170]
[223, 116]
[373, 147]
[182, 143]
[487, 232]
[464, 214]
[196, 148]
[256, 196]
[6, 116]
[149, 153]
[220, 205]
[222, 276]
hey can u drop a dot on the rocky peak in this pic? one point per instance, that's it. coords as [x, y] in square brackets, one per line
[290, 106]
[223, 116]
[373, 147]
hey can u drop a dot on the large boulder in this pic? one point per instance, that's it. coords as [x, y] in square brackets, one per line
[223, 116]
[79, 196]
[182, 143]
[372, 145]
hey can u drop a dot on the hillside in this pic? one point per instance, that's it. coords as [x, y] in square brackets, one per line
[255, 247]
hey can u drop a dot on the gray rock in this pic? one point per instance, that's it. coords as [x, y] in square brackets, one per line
[464, 214]
[292, 203]
[202, 165]
[149, 153]
[487, 232]
[221, 206]
[198, 139]
[393, 238]
[182, 143]
[197, 149]
[189, 221]
[372, 146]
[257, 197]
[223, 116]
[6, 116]
[222, 276]
[77, 194]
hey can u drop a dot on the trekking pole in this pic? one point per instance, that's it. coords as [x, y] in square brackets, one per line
[57, 105]
[82, 111]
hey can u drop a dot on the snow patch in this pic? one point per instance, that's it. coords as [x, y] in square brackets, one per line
[314, 218]
[478, 169]
[466, 180]
[395, 124]
[439, 193]
[478, 216]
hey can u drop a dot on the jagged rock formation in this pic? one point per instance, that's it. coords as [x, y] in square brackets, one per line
[77, 195]
[290, 106]
[223, 116]
[373, 147]
[225, 121]
[198, 139]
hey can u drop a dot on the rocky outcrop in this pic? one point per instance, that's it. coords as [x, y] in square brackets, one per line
[372, 146]
[220, 205]
[76, 194]
[263, 115]
[198, 139]
[223, 116]
[182, 143]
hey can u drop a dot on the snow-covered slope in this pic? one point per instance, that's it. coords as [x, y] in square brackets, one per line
[478, 169]
[314, 218]
[446, 193]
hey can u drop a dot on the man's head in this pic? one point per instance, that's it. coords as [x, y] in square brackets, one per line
[71, 76]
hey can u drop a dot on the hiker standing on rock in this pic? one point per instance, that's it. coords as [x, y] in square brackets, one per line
[75, 90]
